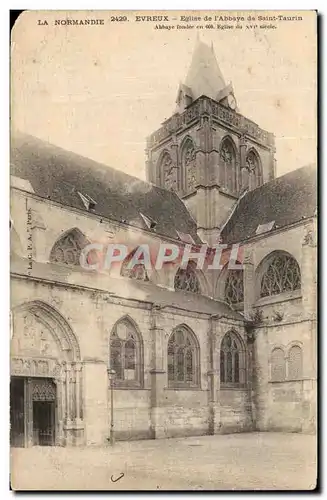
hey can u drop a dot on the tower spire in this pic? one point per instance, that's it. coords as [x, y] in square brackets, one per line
[204, 76]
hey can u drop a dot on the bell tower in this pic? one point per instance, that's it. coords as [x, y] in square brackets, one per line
[207, 152]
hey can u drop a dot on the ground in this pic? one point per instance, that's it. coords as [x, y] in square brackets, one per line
[261, 461]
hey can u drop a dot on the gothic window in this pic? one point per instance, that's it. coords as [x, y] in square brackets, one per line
[232, 369]
[186, 280]
[168, 173]
[227, 166]
[189, 163]
[183, 358]
[234, 290]
[125, 354]
[254, 167]
[282, 275]
[137, 271]
[278, 371]
[295, 363]
[67, 249]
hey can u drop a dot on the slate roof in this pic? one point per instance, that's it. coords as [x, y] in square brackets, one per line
[123, 287]
[59, 175]
[285, 200]
[179, 299]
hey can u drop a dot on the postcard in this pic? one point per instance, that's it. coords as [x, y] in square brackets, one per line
[163, 250]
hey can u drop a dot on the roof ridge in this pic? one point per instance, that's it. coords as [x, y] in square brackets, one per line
[103, 165]
[285, 200]
[59, 175]
[281, 177]
[78, 155]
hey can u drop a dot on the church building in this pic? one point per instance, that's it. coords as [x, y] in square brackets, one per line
[187, 351]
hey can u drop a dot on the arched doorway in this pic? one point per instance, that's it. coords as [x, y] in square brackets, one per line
[45, 379]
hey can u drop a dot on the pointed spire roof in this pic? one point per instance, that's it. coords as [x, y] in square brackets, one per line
[204, 76]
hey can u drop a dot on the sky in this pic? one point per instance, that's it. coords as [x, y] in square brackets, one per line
[101, 90]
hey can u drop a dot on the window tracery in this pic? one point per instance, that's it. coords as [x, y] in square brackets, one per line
[137, 271]
[254, 167]
[231, 360]
[234, 288]
[282, 275]
[183, 358]
[189, 162]
[227, 166]
[169, 173]
[125, 354]
[186, 280]
[68, 249]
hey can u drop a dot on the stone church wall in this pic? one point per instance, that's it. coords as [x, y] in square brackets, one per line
[235, 411]
[183, 413]
[90, 316]
[155, 410]
[177, 412]
[287, 405]
[288, 320]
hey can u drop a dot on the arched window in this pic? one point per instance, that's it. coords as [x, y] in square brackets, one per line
[183, 358]
[168, 172]
[253, 164]
[282, 275]
[134, 271]
[227, 166]
[189, 165]
[126, 353]
[234, 289]
[186, 279]
[294, 371]
[68, 248]
[232, 360]
[278, 371]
